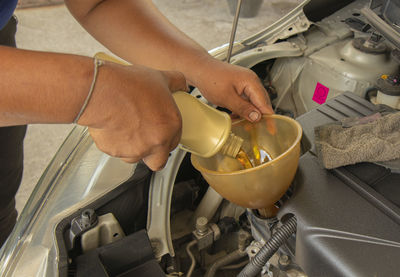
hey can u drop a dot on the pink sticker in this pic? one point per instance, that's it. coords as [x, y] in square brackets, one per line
[320, 93]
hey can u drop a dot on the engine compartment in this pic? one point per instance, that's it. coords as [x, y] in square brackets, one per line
[343, 216]
[347, 218]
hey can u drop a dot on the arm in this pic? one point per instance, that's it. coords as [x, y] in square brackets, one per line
[136, 31]
[39, 87]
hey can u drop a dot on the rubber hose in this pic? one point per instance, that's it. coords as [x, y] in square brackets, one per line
[262, 257]
[228, 259]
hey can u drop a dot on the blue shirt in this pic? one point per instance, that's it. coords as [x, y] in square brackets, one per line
[7, 8]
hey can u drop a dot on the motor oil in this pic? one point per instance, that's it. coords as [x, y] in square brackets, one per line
[206, 131]
[251, 154]
[260, 186]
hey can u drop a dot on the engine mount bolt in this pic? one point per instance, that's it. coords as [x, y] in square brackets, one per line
[201, 225]
[88, 218]
[284, 260]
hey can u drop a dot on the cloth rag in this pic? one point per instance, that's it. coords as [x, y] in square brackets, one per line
[374, 138]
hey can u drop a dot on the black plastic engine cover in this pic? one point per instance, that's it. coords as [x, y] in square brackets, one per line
[129, 257]
[348, 218]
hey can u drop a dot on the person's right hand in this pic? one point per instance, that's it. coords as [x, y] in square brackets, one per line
[132, 115]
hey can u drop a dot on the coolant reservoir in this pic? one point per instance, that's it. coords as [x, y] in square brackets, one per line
[388, 91]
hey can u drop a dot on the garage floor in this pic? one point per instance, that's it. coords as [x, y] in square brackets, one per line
[52, 28]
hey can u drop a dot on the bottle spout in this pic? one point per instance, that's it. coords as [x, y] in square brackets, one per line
[232, 145]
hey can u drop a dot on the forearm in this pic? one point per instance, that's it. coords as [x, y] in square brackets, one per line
[39, 87]
[138, 32]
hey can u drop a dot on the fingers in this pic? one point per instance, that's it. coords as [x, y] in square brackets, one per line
[130, 160]
[253, 101]
[134, 115]
[156, 161]
[243, 108]
[176, 81]
[258, 96]
[154, 152]
[236, 88]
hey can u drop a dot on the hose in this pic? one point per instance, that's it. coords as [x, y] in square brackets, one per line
[272, 245]
[230, 258]
[190, 254]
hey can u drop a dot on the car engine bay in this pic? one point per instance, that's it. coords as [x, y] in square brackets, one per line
[339, 222]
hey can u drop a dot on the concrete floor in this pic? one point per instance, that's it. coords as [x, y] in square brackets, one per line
[54, 29]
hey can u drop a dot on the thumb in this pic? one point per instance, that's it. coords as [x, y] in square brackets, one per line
[243, 108]
[258, 96]
[176, 81]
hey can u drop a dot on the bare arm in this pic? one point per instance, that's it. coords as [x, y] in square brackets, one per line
[39, 87]
[136, 31]
[139, 33]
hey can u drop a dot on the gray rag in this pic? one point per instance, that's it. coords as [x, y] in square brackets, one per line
[371, 139]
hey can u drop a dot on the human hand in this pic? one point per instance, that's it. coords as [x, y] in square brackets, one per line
[132, 115]
[233, 87]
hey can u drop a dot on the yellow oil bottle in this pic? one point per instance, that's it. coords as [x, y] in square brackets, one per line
[205, 131]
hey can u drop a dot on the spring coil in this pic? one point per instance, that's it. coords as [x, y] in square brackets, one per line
[272, 245]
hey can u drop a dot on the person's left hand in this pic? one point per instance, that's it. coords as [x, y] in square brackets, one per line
[233, 87]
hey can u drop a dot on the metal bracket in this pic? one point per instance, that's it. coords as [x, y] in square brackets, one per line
[252, 57]
[293, 23]
[80, 224]
[381, 26]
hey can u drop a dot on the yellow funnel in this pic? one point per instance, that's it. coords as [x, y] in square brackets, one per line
[262, 186]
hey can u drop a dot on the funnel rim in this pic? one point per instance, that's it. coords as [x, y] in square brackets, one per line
[281, 156]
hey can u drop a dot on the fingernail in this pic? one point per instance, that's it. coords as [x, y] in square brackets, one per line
[254, 116]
